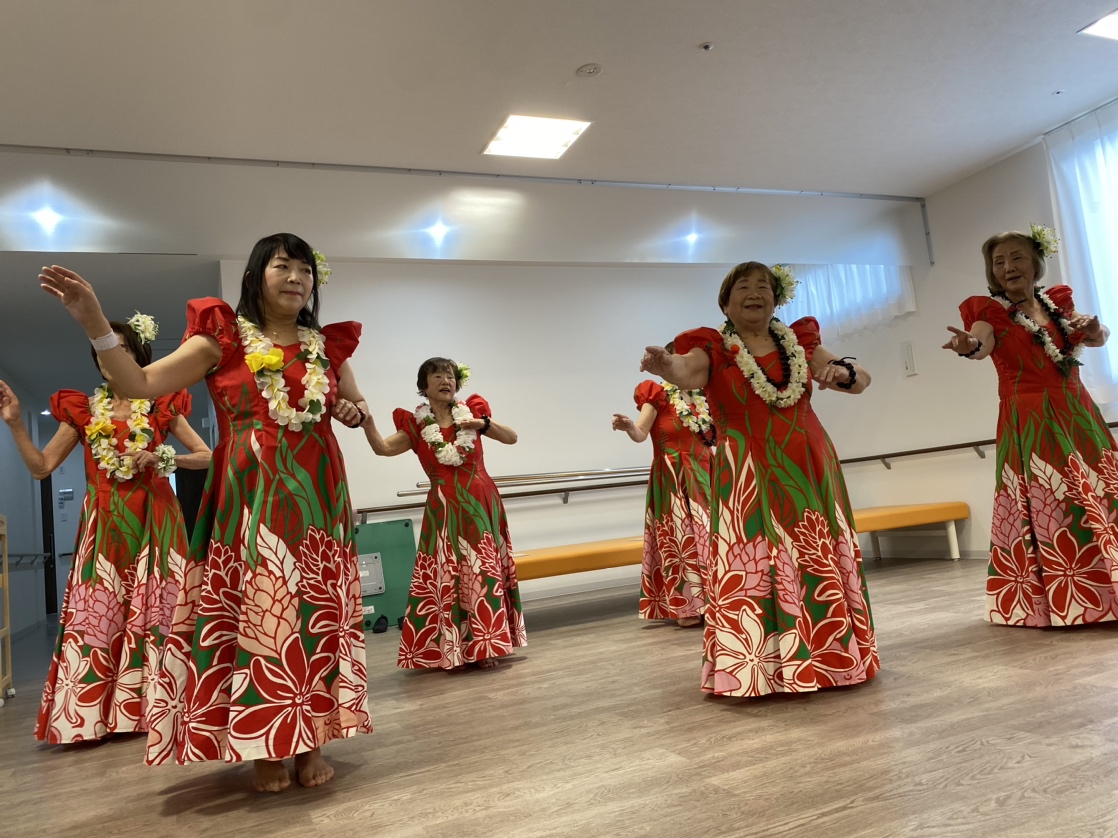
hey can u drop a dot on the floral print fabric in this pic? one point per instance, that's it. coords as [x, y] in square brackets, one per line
[677, 515]
[123, 583]
[1054, 542]
[266, 654]
[788, 609]
[464, 603]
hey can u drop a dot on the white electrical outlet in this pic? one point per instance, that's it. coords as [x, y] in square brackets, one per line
[908, 357]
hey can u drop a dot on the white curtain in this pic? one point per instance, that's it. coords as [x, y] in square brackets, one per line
[1083, 159]
[848, 298]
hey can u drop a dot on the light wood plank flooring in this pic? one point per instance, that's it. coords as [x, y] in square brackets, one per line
[598, 728]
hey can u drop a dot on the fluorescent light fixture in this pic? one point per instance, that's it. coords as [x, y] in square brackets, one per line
[1107, 27]
[535, 136]
[44, 413]
[438, 231]
[48, 219]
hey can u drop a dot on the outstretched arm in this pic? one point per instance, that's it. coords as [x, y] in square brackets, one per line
[637, 431]
[687, 372]
[39, 463]
[185, 366]
[497, 431]
[979, 340]
[350, 415]
[829, 376]
[1094, 332]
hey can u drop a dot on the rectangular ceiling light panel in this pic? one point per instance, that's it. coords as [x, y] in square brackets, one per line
[535, 136]
[1105, 28]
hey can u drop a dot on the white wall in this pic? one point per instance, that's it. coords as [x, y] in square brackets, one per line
[951, 399]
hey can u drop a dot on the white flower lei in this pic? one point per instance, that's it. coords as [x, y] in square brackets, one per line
[691, 407]
[1061, 359]
[101, 433]
[166, 465]
[274, 388]
[447, 453]
[797, 360]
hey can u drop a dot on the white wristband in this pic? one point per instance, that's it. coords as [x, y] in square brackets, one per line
[105, 343]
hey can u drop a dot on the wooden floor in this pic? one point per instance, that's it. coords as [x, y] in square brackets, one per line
[598, 728]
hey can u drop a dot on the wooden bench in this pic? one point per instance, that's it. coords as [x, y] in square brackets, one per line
[874, 519]
[618, 552]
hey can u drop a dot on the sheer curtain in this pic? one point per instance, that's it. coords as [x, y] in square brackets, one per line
[847, 298]
[1083, 160]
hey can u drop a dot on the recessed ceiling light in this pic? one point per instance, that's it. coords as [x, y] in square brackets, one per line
[438, 231]
[48, 219]
[535, 136]
[691, 238]
[1107, 27]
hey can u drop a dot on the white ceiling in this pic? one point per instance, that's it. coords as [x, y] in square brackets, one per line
[881, 96]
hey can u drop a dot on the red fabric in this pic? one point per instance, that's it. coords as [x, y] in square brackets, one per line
[649, 392]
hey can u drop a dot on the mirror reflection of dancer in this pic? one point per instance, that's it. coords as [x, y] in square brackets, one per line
[787, 604]
[464, 603]
[677, 506]
[266, 656]
[130, 549]
[1054, 542]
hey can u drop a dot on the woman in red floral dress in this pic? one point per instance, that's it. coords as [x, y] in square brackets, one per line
[1054, 541]
[787, 605]
[266, 656]
[464, 604]
[677, 509]
[130, 550]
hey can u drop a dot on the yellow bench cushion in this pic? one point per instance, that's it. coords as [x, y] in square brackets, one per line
[874, 518]
[577, 558]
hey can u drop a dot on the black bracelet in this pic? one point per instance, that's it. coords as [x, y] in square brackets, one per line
[849, 367]
[361, 420]
[973, 352]
[485, 429]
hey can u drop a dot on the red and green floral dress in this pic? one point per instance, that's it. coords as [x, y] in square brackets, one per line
[464, 603]
[123, 582]
[266, 656]
[788, 609]
[1054, 542]
[677, 514]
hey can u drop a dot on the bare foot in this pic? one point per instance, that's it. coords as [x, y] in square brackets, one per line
[271, 775]
[312, 769]
[688, 622]
[487, 663]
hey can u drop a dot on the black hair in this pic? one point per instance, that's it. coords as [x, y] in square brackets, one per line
[251, 304]
[140, 351]
[437, 365]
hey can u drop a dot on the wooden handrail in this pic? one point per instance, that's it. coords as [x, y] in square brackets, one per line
[569, 490]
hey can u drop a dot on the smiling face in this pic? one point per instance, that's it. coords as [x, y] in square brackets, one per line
[442, 386]
[288, 283]
[1012, 264]
[751, 301]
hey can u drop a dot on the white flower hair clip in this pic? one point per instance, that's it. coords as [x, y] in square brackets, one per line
[1045, 238]
[786, 284]
[464, 373]
[144, 326]
[322, 267]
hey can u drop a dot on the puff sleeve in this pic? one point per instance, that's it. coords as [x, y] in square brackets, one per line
[216, 318]
[991, 311]
[806, 330]
[70, 407]
[648, 392]
[341, 341]
[478, 406]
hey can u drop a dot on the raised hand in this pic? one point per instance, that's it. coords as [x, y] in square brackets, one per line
[1087, 324]
[623, 423]
[77, 296]
[9, 404]
[656, 360]
[961, 341]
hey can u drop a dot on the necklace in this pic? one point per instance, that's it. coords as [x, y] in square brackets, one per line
[449, 454]
[1066, 360]
[793, 363]
[693, 411]
[101, 433]
[266, 362]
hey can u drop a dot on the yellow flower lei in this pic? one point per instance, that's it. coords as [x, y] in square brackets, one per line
[266, 362]
[101, 433]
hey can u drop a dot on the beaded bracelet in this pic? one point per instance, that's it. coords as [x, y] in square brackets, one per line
[485, 428]
[845, 363]
[973, 352]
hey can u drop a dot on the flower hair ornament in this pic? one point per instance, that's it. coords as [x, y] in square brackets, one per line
[786, 283]
[463, 373]
[322, 267]
[144, 326]
[1045, 238]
